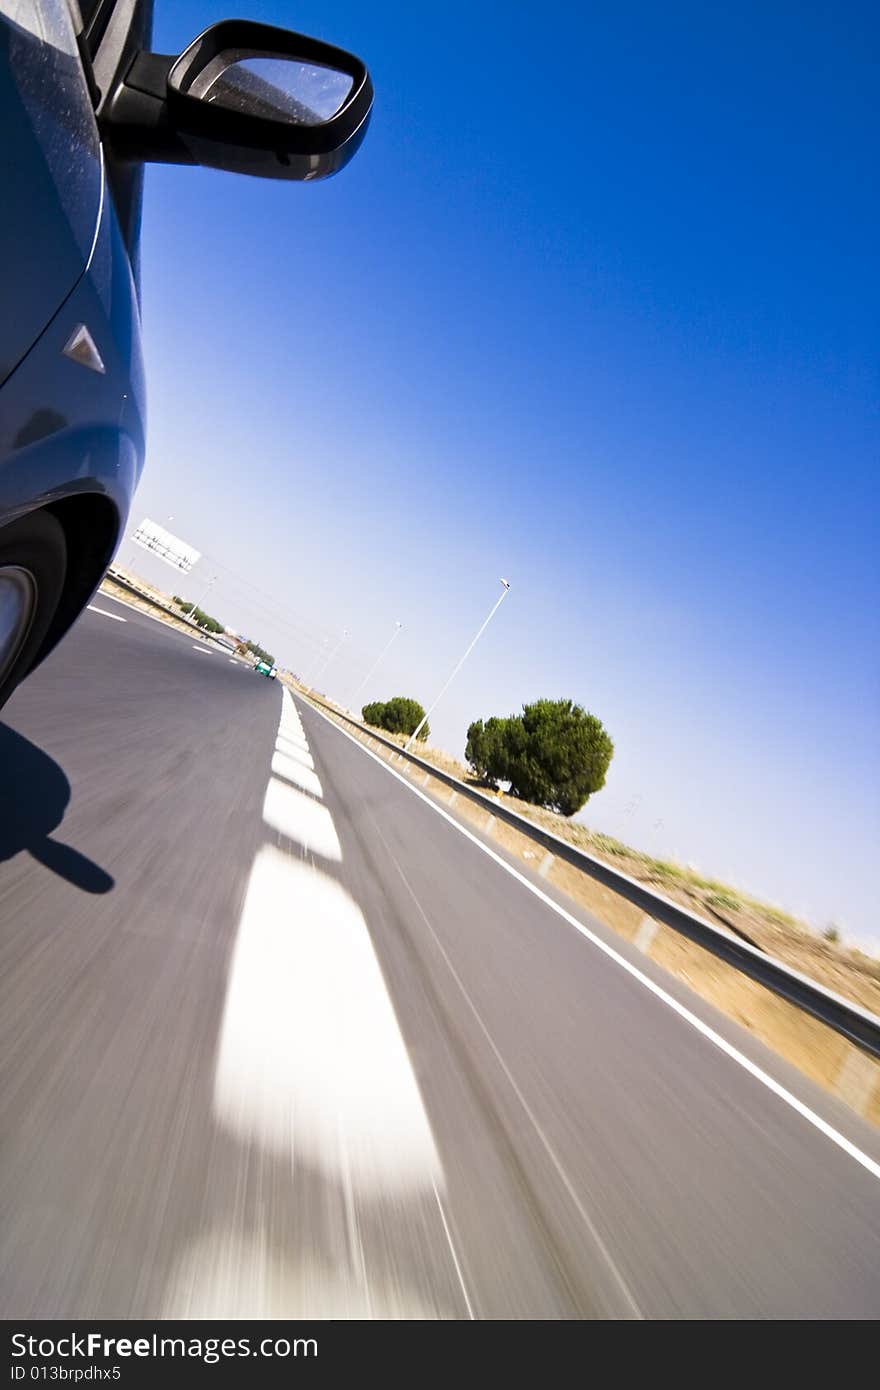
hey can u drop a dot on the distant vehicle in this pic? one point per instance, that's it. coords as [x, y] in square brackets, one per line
[264, 668]
[84, 104]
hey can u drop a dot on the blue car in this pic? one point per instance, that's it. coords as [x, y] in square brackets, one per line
[84, 105]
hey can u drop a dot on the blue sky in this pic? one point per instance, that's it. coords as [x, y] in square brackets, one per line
[595, 308]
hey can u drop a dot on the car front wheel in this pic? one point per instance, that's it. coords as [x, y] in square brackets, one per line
[33, 563]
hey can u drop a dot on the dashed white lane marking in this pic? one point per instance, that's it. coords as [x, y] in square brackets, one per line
[292, 771]
[236, 1272]
[294, 750]
[301, 819]
[764, 1078]
[310, 1050]
[286, 741]
[153, 618]
[290, 729]
[117, 617]
[311, 1065]
[209, 651]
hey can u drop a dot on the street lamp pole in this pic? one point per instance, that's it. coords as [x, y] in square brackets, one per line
[310, 684]
[398, 627]
[462, 659]
[192, 611]
[330, 657]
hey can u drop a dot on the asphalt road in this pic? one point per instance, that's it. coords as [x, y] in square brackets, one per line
[278, 1039]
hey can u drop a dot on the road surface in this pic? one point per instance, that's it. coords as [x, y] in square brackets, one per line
[279, 1040]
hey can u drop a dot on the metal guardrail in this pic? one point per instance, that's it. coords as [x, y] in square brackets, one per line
[855, 1023]
[123, 583]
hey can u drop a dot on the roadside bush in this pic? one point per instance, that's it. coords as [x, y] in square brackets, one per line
[207, 622]
[197, 615]
[399, 716]
[554, 754]
[487, 748]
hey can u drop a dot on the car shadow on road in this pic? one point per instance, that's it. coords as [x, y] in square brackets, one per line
[34, 794]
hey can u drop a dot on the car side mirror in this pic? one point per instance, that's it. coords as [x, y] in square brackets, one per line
[244, 96]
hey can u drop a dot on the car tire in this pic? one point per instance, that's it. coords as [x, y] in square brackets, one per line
[33, 565]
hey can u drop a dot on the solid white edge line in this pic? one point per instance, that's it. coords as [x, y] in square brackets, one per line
[117, 617]
[800, 1108]
[467, 1302]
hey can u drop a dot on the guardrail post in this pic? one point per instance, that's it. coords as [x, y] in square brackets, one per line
[648, 929]
[546, 864]
[856, 1080]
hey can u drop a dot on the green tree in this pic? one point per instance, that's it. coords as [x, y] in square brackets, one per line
[207, 622]
[399, 715]
[554, 754]
[198, 616]
[486, 748]
[260, 652]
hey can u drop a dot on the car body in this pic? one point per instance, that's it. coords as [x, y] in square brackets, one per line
[84, 104]
[265, 668]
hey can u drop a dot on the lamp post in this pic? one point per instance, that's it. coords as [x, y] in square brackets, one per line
[330, 657]
[398, 628]
[310, 684]
[455, 670]
[191, 615]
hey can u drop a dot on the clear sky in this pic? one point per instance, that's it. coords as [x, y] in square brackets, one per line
[594, 308]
